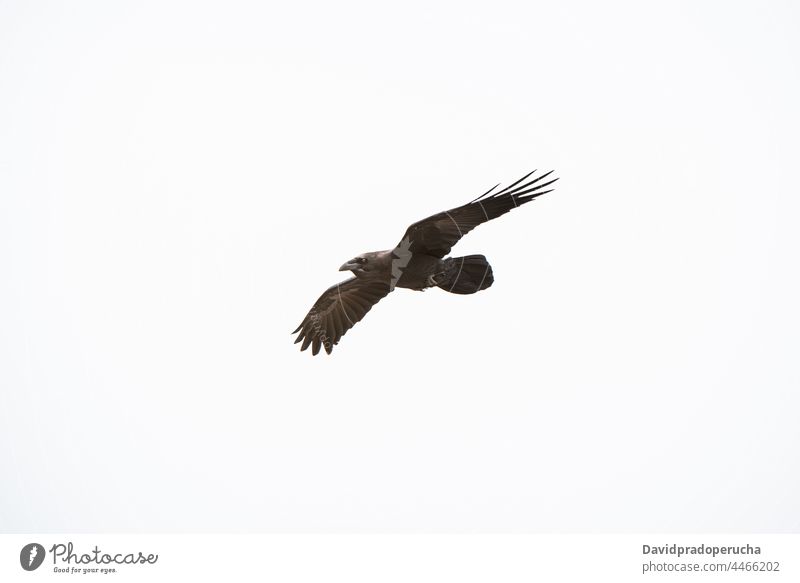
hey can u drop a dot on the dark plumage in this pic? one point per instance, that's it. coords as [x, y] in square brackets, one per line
[417, 262]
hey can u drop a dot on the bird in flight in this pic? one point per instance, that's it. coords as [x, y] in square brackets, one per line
[418, 262]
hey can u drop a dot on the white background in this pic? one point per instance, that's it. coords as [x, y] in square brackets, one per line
[179, 181]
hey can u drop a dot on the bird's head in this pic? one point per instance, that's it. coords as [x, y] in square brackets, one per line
[360, 264]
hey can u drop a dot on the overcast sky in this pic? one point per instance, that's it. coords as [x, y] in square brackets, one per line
[179, 181]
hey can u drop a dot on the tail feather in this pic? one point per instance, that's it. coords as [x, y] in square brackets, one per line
[466, 275]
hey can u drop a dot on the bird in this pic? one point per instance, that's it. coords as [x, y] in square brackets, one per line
[418, 262]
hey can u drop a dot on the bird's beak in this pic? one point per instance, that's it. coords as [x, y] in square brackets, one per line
[350, 265]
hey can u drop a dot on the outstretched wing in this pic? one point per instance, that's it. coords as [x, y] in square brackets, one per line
[338, 310]
[438, 233]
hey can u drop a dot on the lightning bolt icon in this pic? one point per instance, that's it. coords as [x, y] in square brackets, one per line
[401, 255]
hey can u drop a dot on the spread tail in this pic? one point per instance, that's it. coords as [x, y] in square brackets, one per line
[466, 275]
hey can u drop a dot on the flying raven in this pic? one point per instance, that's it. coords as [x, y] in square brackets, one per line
[417, 262]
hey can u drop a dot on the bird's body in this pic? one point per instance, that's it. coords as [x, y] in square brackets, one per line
[418, 262]
[419, 272]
